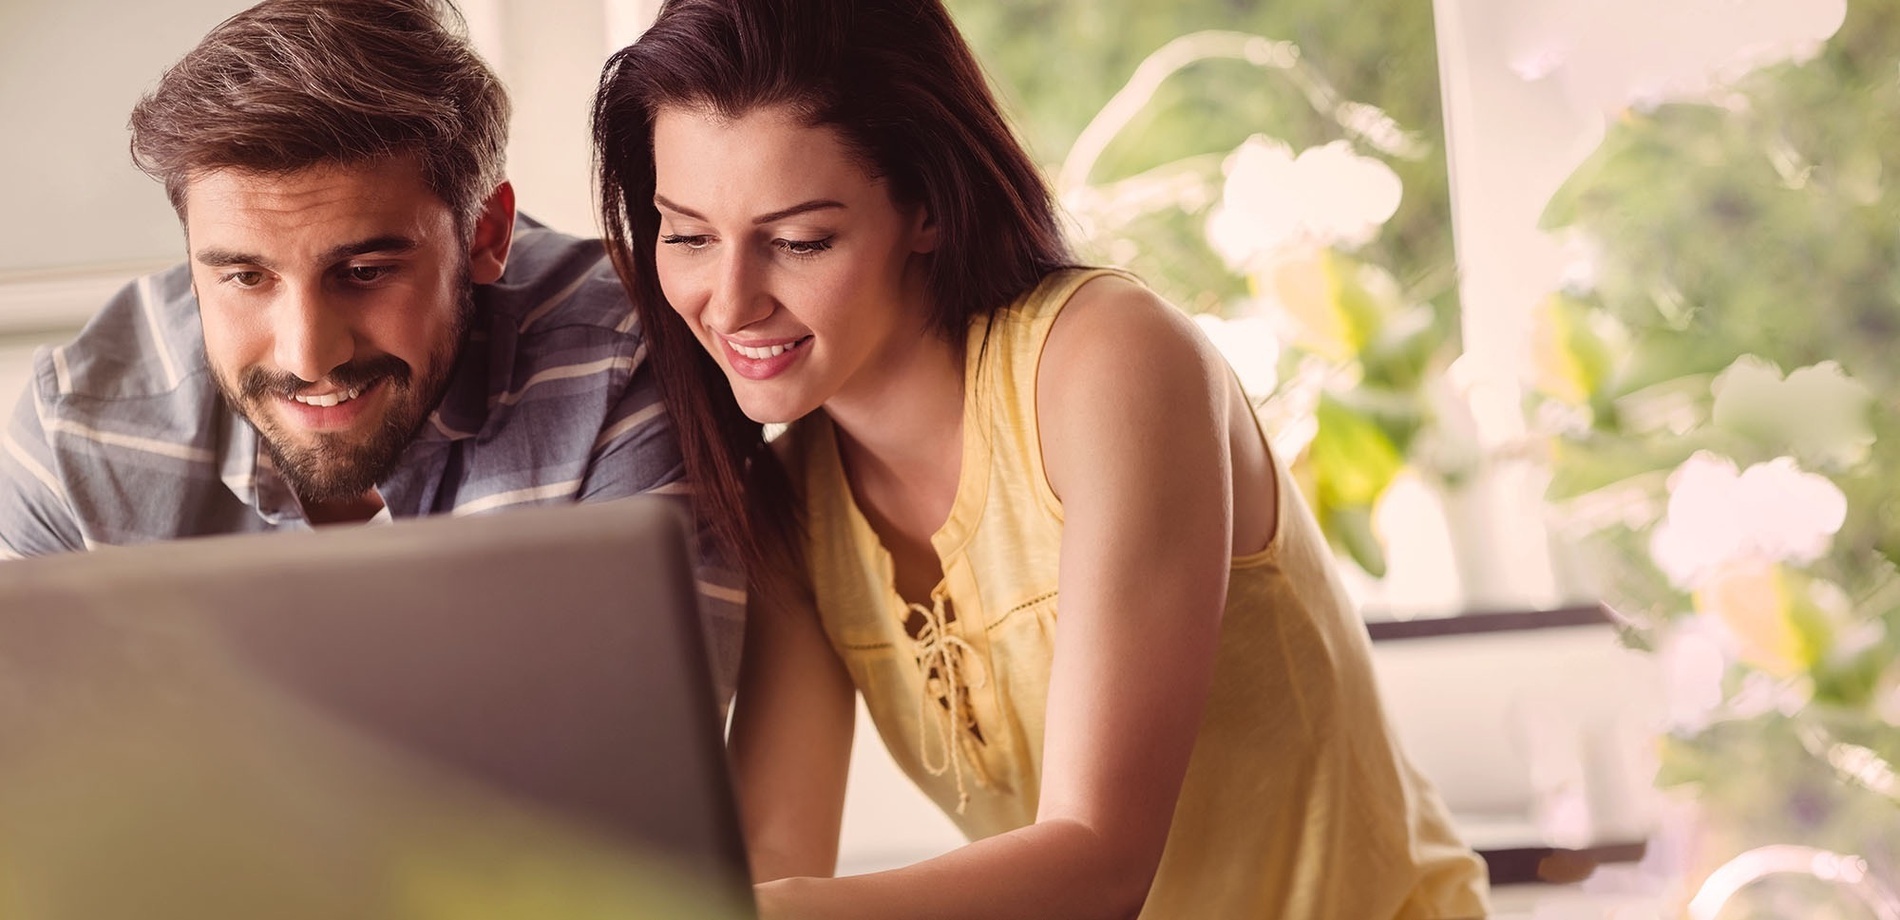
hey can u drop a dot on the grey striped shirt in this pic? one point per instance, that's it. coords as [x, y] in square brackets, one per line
[122, 436]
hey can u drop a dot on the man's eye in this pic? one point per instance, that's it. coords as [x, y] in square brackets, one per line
[243, 279]
[365, 274]
[690, 242]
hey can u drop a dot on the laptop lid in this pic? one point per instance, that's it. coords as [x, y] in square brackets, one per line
[505, 716]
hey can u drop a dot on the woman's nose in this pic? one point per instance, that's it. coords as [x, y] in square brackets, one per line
[739, 296]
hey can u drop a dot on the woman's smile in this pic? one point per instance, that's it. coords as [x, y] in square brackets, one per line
[761, 359]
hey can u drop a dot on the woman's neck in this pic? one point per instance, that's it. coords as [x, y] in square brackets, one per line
[900, 433]
[906, 412]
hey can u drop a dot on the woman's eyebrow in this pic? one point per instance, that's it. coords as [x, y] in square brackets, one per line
[816, 204]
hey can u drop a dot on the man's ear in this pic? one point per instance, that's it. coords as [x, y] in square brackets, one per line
[494, 234]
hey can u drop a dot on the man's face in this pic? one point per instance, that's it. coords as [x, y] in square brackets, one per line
[334, 301]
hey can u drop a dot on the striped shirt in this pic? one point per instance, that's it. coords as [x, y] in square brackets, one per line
[122, 436]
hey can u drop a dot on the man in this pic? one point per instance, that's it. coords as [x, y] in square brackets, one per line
[363, 330]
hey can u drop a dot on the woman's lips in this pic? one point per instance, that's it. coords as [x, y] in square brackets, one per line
[763, 359]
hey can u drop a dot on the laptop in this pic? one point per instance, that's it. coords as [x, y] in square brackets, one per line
[508, 716]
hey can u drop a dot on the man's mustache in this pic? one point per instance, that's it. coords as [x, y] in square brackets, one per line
[258, 382]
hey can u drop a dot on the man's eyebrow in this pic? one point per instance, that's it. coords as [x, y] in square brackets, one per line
[819, 204]
[215, 257]
[389, 244]
[393, 244]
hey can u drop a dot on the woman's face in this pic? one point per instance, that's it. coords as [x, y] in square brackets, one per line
[793, 266]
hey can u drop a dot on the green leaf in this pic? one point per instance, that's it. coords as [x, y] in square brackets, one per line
[1410, 343]
[1586, 465]
[1818, 414]
[1669, 408]
[1851, 680]
[1399, 414]
[1571, 351]
[1600, 170]
[1353, 459]
[1338, 305]
[1679, 763]
[1365, 294]
[1351, 530]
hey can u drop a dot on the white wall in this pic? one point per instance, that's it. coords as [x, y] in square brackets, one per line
[81, 217]
[70, 72]
[549, 53]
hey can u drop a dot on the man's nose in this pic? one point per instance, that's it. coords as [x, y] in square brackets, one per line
[311, 336]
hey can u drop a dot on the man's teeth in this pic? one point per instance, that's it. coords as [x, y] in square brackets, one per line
[329, 399]
[760, 354]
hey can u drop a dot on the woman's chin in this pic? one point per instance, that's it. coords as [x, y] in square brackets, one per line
[773, 412]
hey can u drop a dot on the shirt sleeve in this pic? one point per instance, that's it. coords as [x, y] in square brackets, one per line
[638, 453]
[36, 516]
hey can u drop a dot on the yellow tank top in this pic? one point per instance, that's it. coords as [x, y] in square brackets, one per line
[1297, 802]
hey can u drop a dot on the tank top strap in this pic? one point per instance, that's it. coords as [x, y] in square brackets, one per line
[1005, 352]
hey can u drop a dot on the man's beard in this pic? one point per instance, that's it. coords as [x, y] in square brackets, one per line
[324, 467]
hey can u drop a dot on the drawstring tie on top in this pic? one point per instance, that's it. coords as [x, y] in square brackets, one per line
[940, 659]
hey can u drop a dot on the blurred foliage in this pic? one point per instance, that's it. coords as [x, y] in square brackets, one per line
[1384, 317]
[1769, 761]
[1764, 226]
[1381, 52]
[1739, 239]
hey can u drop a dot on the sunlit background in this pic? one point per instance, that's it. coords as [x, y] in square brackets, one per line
[1548, 303]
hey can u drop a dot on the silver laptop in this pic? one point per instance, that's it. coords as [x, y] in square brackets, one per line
[508, 716]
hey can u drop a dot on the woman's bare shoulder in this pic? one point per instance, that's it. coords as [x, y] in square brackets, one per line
[1116, 336]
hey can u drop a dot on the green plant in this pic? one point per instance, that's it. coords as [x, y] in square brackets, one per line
[1746, 520]
[1244, 179]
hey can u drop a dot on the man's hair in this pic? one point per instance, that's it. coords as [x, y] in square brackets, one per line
[291, 84]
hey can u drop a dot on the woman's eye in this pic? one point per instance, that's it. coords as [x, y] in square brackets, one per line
[803, 247]
[690, 242]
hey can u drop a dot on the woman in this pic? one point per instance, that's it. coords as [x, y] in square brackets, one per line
[1023, 508]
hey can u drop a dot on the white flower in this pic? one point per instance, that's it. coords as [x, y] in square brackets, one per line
[1250, 347]
[1770, 513]
[1694, 654]
[1609, 55]
[1273, 200]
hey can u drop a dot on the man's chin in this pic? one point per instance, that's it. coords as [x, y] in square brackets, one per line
[328, 466]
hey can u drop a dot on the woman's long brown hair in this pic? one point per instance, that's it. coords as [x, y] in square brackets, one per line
[897, 82]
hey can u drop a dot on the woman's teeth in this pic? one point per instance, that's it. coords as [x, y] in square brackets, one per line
[760, 354]
[329, 399]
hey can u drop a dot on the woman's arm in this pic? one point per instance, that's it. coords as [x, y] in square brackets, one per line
[1132, 408]
[791, 740]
